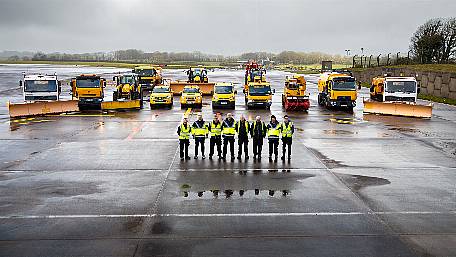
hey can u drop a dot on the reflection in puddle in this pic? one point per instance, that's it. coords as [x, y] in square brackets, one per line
[229, 193]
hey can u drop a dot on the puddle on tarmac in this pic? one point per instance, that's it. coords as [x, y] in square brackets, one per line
[229, 193]
[358, 182]
[349, 120]
[412, 130]
[338, 132]
[330, 163]
[15, 124]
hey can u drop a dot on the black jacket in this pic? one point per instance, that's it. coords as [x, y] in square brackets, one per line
[258, 130]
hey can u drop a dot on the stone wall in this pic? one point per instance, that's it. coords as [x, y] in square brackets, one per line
[441, 84]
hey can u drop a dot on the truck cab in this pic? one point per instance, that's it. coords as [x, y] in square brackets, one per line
[127, 87]
[148, 76]
[40, 88]
[197, 75]
[337, 90]
[161, 95]
[224, 96]
[88, 89]
[394, 89]
[191, 96]
[258, 94]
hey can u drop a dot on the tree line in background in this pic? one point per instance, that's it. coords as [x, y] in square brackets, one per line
[134, 55]
[435, 41]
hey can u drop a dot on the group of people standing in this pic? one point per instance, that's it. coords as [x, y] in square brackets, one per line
[225, 132]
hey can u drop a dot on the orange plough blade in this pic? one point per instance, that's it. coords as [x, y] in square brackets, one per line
[42, 108]
[398, 109]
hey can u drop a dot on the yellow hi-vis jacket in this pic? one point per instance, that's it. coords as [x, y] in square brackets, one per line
[273, 132]
[216, 129]
[199, 130]
[185, 132]
[228, 130]
[287, 131]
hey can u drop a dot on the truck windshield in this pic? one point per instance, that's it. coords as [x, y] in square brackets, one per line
[145, 72]
[40, 86]
[160, 90]
[344, 84]
[262, 90]
[224, 89]
[88, 83]
[191, 90]
[401, 86]
[293, 86]
[127, 80]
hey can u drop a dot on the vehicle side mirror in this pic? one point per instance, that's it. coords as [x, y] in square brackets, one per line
[235, 92]
[133, 70]
[60, 86]
[359, 85]
[20, 83]
[243, 91]
[104, 83]
[418, 90]
[273, 90]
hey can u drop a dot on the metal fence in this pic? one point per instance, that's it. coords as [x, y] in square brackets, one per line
[367, 61]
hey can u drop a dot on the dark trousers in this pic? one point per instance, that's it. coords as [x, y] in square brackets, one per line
[273, 146]
[183, 146]
[199, 141]
[215, 140]
[257, 146]
[243, 142]
[230, 140]
[286, 141]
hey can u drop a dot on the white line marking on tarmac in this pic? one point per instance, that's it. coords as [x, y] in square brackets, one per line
[276, 214]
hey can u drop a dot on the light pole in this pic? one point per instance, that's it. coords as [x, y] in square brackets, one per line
[348, 54]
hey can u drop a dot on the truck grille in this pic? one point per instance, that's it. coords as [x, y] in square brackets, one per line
[403, 99]
[40, 98]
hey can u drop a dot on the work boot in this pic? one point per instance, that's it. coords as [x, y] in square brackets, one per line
[232, 158]
[270, 158]
[239, 157]
[210, 157]
[187, 158]
[204, 157]
[282, 158]
[196, 157]
[259, 157]
[254, 156]
[182, 158]
[247, 157]
[275, 159]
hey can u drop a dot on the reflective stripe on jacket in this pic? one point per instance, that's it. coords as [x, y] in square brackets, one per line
[184, 132]
[215, 129]
[287, 131]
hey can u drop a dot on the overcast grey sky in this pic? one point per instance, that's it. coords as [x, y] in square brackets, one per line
[215, 26]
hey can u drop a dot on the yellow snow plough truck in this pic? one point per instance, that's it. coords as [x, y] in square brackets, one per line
[337, 90]
[197, 76]
[396, 96]
[257, 91]
[148, 76]
[41, 96]
[88, 89]
[294, 97]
